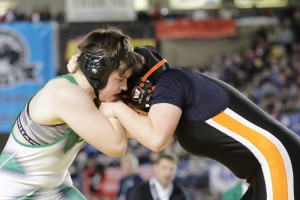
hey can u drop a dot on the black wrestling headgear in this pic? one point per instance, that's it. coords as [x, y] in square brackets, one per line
[97, 67]
[141, 84]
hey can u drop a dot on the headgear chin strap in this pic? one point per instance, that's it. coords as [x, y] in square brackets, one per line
[141, 93]
[91, 64]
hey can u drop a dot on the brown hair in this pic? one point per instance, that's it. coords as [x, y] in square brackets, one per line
[167, 155]
[114, 42]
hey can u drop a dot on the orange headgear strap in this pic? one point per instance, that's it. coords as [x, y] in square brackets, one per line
[155, 67]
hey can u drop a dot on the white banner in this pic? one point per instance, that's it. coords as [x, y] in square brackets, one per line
[260, 3]
[194, 4]
[99, 10]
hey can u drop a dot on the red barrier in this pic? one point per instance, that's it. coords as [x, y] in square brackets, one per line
[186, 28]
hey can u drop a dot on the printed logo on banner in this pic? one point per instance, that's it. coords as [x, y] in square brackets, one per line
[14, 60]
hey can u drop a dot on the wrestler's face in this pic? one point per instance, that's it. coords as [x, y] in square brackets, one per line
[115, 85]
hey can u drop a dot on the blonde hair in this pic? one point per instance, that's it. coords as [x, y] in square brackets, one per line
[132, 159]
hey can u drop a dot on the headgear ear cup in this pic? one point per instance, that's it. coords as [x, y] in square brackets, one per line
[91, 65]
[141, 84]
[97, 67]
[140, 96]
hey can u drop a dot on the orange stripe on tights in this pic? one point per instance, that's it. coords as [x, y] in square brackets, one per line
[266, 147]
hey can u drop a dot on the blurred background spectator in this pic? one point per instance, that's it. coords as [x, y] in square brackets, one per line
[130, 178]
[162, 185]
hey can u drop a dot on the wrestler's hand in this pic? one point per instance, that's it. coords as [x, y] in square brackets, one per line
[72, 64]
[107, 109]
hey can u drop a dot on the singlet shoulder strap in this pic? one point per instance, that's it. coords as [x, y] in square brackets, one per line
[69, 77]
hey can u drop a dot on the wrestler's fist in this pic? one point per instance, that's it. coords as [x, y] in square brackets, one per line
[72, 64]
[107, 109]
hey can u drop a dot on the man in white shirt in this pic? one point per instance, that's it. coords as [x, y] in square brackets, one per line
[162, 185]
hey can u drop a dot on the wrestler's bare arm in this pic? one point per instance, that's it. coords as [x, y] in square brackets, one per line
[62, 102]
[154, 131]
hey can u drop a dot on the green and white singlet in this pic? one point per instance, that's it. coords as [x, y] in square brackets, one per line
[34, 165]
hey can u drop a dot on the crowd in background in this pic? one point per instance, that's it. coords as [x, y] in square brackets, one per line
[267, 72]
[156, 12]
[14, 14]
